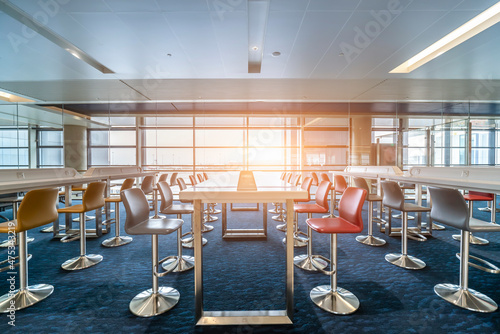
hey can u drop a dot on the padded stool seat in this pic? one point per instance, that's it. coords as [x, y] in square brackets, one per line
[309, 208]
[178, 209]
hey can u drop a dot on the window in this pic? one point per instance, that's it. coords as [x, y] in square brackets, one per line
[14, 148]
[50, 148]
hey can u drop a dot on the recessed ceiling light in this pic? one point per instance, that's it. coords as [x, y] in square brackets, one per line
[276, 54]
[469, 29]
[255, 48]
[341, 54]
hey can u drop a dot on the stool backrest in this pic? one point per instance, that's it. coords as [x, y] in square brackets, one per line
[351, 205]
[296, 180]
[147, 184]
[173, 179]
[339, 183]
[127, 184]
[200, 177]
[282, 177]
[136, 207]
[288, 177]
[182, 186]
[37, 208]
[393, 196]
[192, 178]
[205, 175]
[167, 197]
[163, 177]
[306, 185]
[315, 180]
[360, 182]
[449, 207]
[324, 177]
[322, 193]
[93, 197]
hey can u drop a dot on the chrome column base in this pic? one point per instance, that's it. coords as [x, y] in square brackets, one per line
[25, 297]
[400, 216]
[279, 218]
[190, 243]
[465, 298]
[149, 304]
[50, 229]
[488, 209]
[206, 228]
[370, 240]
[281, 227]
[182, 264]
[117, 241]
[331, 215]
[340, 301]
[77, 219]
[82, 262]
[405, 261]
[211, 219]
[438, 227]
[305, 262]
[7, 243]
[214, 211]
[472, 239]
[296, 243]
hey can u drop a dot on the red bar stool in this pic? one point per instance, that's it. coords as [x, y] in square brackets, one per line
[37, 208]
[315, 181]
[471, 197]
[308, 261]
[369, 239]
[340, 185]
[117, 240]
[332, 298]
[306, 185]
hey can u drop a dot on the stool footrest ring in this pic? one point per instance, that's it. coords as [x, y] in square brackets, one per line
[321, 270]
[490, 267]
[163, 273]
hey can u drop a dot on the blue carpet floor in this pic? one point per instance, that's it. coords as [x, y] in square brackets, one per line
[250, 275]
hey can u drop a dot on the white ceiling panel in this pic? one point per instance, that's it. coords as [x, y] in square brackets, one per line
[288, 5]
[192, 5]
[132, 5]
[333, 5]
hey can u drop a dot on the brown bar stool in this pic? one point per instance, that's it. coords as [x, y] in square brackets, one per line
[81, 188]
[93, 198]
[369, 239]
[173, 179]
[157, 300]
[188, 242]
[14, 200]
[180, 262]
[449, 207]
[331, 298]
[395, 199]
[308, 261]
[471, 197]
[37, 209]
[117, 240]
[306, 185]
[148, 187]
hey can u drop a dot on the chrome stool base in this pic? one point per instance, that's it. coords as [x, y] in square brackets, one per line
[331, 215]
[50, 229]
[278, 218]
[185, 263]
[215, 211]
[488, 209]
[472, 239]
[77, 219]
[211, 219]
[7, 243]
[405, 261]
[438, 227]
[149, 304]
[117, 241]
[189, 244]
[281, 227]
[400, 216]
[468, 299]
[296, 243]
[340, 301]
[370, 240]
[24, 298]
[305, 262]
[206, 228]
[82, 262]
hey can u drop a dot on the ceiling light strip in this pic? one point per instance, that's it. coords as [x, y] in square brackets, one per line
[469, 29]
[23, 17]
